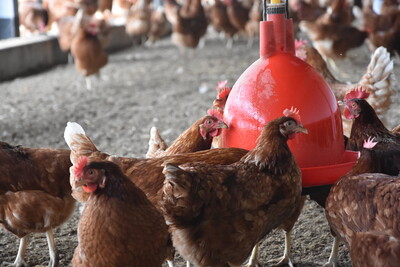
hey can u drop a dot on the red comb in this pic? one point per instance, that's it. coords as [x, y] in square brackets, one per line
[78, 167]
[224, 93]
[356, 93]
[222, 84]
[299, 43]
[216, 113]
[293, 113]
[369, 143]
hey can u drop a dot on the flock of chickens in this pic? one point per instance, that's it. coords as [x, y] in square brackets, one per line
[333, 26]
[213, 205]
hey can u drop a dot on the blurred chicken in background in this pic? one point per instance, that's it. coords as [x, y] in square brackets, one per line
[58, 9]
[189, 23]
[305, 10]
[138, 22]
[33, 17]
[218, 16]
[332, 33]
[381, 19]
[238, 14]
[87, 46]
[253, 24]
[159, 25]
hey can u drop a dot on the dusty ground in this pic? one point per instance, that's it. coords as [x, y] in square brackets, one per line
[139, 88]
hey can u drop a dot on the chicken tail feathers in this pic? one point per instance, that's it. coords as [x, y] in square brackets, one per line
[177, 200]
[157, 144]
[377, 80]
[78, 142]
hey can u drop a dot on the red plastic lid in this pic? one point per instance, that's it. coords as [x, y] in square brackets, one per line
[329, 174]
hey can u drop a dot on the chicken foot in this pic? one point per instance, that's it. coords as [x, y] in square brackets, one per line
[285, 259]
[19, 260]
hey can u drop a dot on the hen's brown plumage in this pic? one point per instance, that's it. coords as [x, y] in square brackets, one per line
[255, 195]
[219, 19]
[332, 34]
[138, 21]
[198, 136]
[145, 173]
[375, 248]
[383, 28]
[189, 22]
[363, 199]
[87, 47]
[35, 195]
[365, 124]
[119, 226]
[238, 14]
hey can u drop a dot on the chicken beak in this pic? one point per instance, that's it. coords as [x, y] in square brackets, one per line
[221, 125]
[79, 182]
[302, 129]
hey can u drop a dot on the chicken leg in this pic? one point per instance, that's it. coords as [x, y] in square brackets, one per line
[285, 260]
[332, 262]
[253, 260]
[52, 249]
[287, 226]
[23, 243]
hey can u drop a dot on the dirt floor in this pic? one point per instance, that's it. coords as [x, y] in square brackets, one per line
[139, 88]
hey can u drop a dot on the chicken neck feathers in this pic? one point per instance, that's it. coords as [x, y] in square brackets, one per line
[368, 124]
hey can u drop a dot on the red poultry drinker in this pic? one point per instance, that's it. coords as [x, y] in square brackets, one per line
[279, 80]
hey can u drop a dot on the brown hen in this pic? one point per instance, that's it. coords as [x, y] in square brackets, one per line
[33, 17]
[255, 194]
[365, 122]
[35, 195]
[218, 16]
[198, 137]
[87, 47]
[362, 200]
[189, 23]
[332, 34]
[138, 21]
[145, 173]
[119, 226]
[383, 27]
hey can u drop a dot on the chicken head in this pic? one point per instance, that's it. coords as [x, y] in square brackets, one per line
[211, 127]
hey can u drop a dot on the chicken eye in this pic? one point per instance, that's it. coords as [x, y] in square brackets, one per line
[289, 123]
[91, 172]
[209, 122]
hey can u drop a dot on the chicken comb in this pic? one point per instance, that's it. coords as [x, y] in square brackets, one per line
[358, 92]
[216, 113]
[369, 143]
[222, 84]
[293, 113]
[224, 93]
[78, 167]
[299, 43]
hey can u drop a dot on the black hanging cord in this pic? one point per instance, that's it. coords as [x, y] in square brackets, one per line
[264, 12]
[287, 9]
